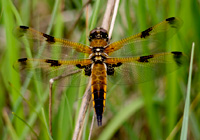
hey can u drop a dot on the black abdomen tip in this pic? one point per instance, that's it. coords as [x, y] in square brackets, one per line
[99, 120]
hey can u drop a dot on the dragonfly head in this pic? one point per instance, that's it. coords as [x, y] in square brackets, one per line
[98, 33]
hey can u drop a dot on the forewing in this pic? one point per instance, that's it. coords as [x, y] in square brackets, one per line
[145, 68]
[52, 45]
[153, 37]
[45, 69]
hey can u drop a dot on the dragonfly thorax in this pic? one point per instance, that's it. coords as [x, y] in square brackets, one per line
[98, 57]
[98, 49]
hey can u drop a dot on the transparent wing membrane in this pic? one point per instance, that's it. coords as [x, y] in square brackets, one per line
[54, 47]
[45, 69]
[144, 68]
[153, 37]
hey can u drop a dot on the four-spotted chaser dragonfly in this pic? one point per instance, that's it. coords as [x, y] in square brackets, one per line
[101, 63]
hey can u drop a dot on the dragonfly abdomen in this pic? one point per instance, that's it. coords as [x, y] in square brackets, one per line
[98, 88]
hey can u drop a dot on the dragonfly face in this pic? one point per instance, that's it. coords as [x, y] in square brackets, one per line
[100, 65]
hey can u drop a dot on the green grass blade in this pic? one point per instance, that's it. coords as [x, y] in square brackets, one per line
[46, 124]
[34, 115]
[9, 126]
[53, 16]
[194, 125]
[120, 118]
[184, 129]
[94, 17]
[26, 124]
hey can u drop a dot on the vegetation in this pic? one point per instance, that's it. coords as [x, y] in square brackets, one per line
[150, 110]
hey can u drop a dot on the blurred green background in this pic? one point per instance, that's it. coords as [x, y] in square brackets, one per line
[151, 110]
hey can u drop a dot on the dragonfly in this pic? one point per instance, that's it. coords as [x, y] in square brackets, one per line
[115, 62]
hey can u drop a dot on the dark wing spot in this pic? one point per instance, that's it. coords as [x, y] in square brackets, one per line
[111, 68]
[146, 32]
[79, 66]
[177, 53]
[87, 68]
[172, 21]
[117, 64]
[177, 57]
[20, 31]
[145, 58]
[24, 27]
[22, 60]
[23, 64]
[53, 62]
[49, 38]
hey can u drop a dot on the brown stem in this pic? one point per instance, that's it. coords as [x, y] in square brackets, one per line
[50, 108]
[51, 81]
[82, 112]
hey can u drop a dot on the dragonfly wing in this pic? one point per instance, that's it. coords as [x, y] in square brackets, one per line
[45, 69]
[132, 70]
[153, 37]
[53, 45]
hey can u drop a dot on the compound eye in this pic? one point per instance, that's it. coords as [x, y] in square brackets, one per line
[104, 35]
[92, 36]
